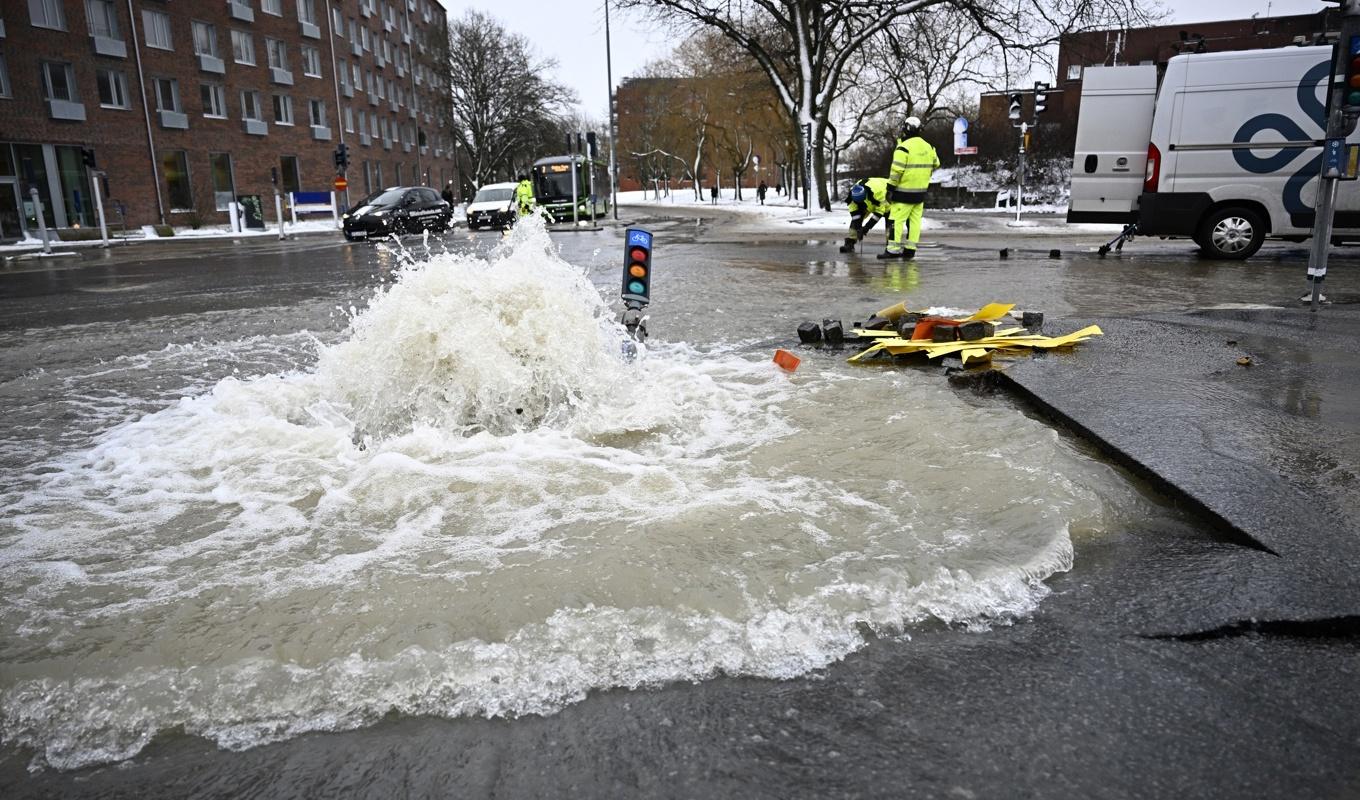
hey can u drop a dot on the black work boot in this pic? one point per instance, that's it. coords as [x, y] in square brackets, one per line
[849, 246]
[885, 256]
[908, 255]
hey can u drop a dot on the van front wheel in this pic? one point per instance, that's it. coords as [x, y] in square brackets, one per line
[1231, 234]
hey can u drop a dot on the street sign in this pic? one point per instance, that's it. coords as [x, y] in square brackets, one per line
[340, 183]
[965, 151]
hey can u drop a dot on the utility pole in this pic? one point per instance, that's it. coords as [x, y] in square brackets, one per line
[609, 75]
[1338, 159]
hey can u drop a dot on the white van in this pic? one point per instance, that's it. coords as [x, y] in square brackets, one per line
[493, 207]
[1225, 149]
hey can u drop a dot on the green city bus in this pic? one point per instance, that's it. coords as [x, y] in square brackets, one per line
[553, 191]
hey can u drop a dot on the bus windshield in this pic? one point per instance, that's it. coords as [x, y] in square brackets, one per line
[552, 182]
[493, 195]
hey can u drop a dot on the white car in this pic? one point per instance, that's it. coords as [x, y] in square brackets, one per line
[493, 207]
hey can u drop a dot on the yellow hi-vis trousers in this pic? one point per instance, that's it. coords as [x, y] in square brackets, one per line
[904, 218]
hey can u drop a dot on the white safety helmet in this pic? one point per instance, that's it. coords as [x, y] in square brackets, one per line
[912, 124]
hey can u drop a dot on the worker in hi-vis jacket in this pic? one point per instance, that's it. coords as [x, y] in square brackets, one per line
[914, 161]
[524, 196]
[868, 198]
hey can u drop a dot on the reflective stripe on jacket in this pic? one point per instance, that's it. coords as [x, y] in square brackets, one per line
[913, 162]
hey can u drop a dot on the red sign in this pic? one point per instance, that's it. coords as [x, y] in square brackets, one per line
[340, 184]
[965, 151]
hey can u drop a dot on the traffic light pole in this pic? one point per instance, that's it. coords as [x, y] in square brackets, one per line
[1020, 174]
[1341, 121]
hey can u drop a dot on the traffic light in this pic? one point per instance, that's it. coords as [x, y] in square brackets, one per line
[1040, 98]
[637, 267]
[87, 155]
[1015, 107]
[342, 157]
[1351, 96]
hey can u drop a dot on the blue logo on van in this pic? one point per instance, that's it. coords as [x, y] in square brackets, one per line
[1289, 131]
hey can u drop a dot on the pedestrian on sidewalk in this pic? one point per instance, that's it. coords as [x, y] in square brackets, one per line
[447, 194]
[713, 193]
[760, 192]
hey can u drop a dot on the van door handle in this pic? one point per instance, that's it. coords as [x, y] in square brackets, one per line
[1092, 162]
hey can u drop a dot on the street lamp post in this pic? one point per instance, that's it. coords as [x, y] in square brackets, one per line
[609, 75]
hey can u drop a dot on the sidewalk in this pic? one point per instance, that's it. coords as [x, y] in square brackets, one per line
[1250, 417]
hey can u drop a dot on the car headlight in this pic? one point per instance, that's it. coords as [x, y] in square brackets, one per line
[378, 214]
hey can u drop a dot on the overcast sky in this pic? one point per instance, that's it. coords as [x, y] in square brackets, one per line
[572, 31]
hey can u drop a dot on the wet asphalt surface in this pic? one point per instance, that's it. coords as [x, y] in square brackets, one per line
[1175, 660]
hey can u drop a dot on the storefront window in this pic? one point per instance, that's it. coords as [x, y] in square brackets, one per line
[76, 193]
[175, 168]
[288, 174]
[33, 173]
[224, 188]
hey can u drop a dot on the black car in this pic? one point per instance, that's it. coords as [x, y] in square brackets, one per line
[400, 209]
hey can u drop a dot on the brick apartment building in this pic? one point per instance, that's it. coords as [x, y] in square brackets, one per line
[1057, 132]
[189, 104]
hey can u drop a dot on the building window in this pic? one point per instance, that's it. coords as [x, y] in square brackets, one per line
[338, 21]
[289, 177]
[58, 82]
[353, 29]
[277, 52]
[311, 62]
[358, 76]
[175, 166]
[102, 18]
[1074, 72]
[224, 185]
[368, 178]
[377, 173]
[47, 14]
[167, 94]
[205, 39]
[214, 100]
[243, 47]
[274, 7]
[316, 112]
[157, 29]
[349, 120]
[4, 78]
[283, 109]
[365, 38]
[112, 88]
[250, 105]
[306, 11]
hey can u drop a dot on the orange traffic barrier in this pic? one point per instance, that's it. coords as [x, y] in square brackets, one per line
[786, 360]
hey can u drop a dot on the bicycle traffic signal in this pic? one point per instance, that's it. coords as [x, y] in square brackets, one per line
[342, 157]
[1015, 111]
[1040, 98]
[1351, 93]
[637, 267]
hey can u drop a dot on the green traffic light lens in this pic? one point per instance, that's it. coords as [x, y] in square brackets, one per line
[637, 287]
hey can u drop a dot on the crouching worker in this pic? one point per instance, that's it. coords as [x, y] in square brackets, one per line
[868, 199]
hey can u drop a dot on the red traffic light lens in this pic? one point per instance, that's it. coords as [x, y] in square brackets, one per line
[638, 254]
[637, 271]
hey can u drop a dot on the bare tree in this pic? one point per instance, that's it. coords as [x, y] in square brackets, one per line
[504, 112]
[805, 46]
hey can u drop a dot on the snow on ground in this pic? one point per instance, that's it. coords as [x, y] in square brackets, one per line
[148, 234]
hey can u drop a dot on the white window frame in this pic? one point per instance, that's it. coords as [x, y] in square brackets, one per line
[252, 110]
[158, 30]
[311, 61]
[272, 7]
[102, 11]
[349, 119]
[117, 82]
[306, 11]
[219, 100]
[316, 112]
[276, 52]
[69, 71]
[1074, 72]
[239, 37]
[175, 104]
[283, 111]
[198, 25]
[47, 14]
[5, 90]
[338, 21]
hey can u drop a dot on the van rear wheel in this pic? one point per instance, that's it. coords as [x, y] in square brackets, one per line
[1231, 234]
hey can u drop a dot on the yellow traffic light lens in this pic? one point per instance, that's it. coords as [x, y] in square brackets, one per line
[637, 271]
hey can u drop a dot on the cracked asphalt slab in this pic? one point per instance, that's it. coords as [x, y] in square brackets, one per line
[1174, 660]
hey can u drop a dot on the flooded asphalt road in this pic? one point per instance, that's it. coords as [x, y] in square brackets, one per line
[249, 552]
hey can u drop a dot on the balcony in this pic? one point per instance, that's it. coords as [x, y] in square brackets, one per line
[256, 127]
[365, 9]
[387, 143]
[173, 120]
[356, 47]
[389, 25]
[309, 29]
[364, 139]
[213, 64]
[321, 133]
[378, 59]
[347, 89]
[401, 71]
[373, 99]
[67, 110]
[239, 10]
[113, 48]
[281, 76]
[406, 147]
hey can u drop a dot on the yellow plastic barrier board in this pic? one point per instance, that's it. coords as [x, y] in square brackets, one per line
[1008, 343]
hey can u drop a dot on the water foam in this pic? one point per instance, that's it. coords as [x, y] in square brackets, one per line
[472, 505]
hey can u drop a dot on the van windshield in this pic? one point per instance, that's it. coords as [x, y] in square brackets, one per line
[493, 195]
